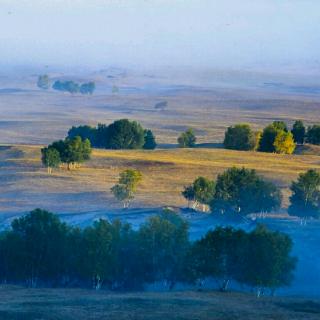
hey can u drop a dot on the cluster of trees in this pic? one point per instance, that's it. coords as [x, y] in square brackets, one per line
[71, 151]
[121, 134]
[74, 87]
[235, 191]
[66, 86]
[242, 191]
[40, 250]
[274, 138]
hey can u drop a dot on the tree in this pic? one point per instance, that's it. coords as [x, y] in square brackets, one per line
[41, 239]
[280, 125]
[85, 132]
[219, 254]
[72, 151]
[305, 198]
[125, 134]
[149, 140]
[240, 137]
[87, 88]
[43, 82]
[242, 191]
[201, 191]
[284, 143]
[268, 263]
[313, 134]
[125, 189]
[98, 256]
[68, 86]
[50, 158]
[187, 139]
[268, 137]
[298, 131]
[163, 244]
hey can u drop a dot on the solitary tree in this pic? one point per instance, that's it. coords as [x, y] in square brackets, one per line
[299, 132]
[187, 139]
[305, 198]
[149, 140]
[240, 137]
[200, 192]
[284, 143]
[125, 189]
[43, 82]
[50, 158]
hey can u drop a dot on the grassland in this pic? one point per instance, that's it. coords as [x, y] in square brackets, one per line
[69, 304]
[25, 184]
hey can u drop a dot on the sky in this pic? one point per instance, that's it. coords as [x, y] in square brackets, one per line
[146, 33]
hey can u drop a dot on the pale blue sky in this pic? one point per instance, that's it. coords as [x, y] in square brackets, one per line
[214, 33]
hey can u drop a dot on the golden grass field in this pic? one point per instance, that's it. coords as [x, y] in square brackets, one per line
[25, 183]
[69, 304]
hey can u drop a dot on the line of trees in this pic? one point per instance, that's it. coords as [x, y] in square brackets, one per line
[242, 191]
[121, 134]
[274, 138]
[87, 88]
[235, 191]
[40, 250]
[71, 151]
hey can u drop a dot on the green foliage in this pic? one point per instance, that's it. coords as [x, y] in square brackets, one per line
[268, 262]
[240, 137]
[298, 131]
[41, 250]
[313, 134]
[305, 198]
[73, 87]
[280, 125]
[259, 259]
[242, 191]
[125, 134]
[187, 139]
[268, 137]
[87, 88]
[72, 150]
[126, 187]
[201, 191]
[66, 86]
[50, 158]
[43, 82]
[85, 132]
[149, 140]
[284, 143]
[163, 243]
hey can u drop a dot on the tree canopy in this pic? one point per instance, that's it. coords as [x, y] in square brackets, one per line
[127, 185]
[149, 140]
[298, 131]
[242, 191]
[50, 158]
[240, 137]
[187, 139]
[313, 134]
[305, 198]
[284, 143]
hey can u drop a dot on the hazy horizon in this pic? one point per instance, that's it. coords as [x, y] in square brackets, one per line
[267, 34]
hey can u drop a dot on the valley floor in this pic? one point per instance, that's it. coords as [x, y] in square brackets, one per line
[69, 304]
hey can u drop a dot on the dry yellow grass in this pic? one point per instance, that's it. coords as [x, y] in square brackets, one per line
[26, 184]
